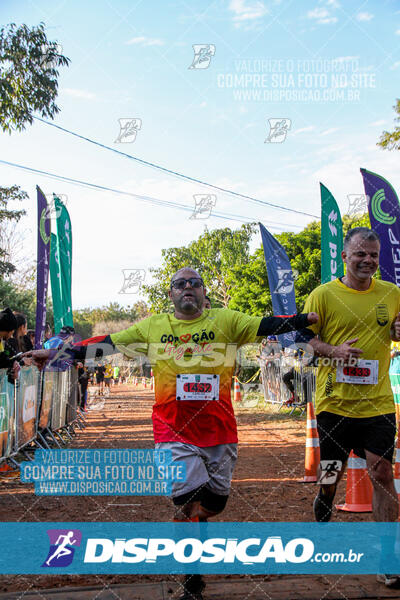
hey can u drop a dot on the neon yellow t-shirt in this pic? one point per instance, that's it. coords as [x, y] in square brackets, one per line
[345, 314]
[206, 345]
[108, 372]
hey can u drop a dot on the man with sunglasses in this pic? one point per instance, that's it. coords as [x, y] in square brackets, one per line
[192, 352]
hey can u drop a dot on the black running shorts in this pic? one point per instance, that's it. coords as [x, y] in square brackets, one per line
[338, 435]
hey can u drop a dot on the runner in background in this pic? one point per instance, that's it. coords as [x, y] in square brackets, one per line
[108, 373]
[116, 375]
[99, 372]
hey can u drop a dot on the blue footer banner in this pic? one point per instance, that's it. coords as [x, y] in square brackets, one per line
[215, 548]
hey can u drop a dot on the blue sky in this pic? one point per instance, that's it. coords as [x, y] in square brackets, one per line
[131, 60]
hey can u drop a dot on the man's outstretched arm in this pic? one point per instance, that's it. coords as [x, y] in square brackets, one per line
[95, 348]
[283, 324]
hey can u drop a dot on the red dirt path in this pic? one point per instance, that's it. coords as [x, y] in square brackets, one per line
[265, 488]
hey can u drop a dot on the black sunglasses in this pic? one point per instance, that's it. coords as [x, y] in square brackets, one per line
[180, 284]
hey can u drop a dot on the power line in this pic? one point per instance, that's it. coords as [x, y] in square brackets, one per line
[176, 173]
[148, 199]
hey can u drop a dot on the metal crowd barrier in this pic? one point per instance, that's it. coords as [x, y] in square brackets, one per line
[280, 374]
[38, 410]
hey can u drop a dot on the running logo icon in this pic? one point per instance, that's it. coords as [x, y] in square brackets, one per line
[358, 204]
[128, 130]
[62, 547]
[203, 54]
[203, 205]
[133, 279]
[278, 130]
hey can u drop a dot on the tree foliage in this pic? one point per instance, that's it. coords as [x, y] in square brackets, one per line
[29, 65]
[7, 216]
[391, 140]
[214, 254]
[87, 321]
[250, 284]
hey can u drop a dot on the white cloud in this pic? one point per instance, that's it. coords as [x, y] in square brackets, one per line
[378, 123]
[398, 32]
[303, 130]
[329, 131]
[145, 41]
[79, 93]
[322, 16]
[395, 65]
[364, 16]
[247, 11]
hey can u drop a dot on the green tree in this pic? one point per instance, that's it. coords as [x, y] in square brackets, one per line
[6, 216]
[86, 319]
[250, 285]
[214, 254]
[28, 75]
[391, 140]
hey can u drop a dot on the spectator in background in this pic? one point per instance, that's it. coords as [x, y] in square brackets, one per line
[8, 324]
[20, 340]
[31, 335]
[65, 335]
[83, 378]
[116, 374]
[47, 332]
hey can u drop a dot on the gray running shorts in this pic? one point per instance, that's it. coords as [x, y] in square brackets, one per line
[211, 467]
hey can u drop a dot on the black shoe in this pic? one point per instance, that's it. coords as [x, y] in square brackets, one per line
[191, 596]
[392, 581]
[322, 507]
[193, 587]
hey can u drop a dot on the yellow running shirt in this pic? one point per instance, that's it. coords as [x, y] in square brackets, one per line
[184, 411]
[345, 314]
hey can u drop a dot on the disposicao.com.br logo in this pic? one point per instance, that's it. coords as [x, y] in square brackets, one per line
[208, 548]
[210, 551]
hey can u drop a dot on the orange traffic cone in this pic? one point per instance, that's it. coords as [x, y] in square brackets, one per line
[237, 396]
[359, 486]
[144, 382]
[312, 457]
